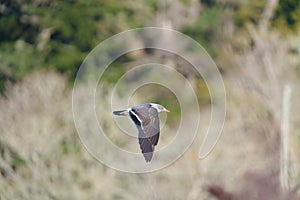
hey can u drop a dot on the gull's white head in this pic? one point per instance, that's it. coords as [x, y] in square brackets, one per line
[159, 108]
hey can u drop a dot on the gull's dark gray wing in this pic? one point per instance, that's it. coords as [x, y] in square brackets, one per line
[146, 146]
[147, 122]
[148, 119]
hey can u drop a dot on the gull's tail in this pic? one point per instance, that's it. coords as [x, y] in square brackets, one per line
[121, 112]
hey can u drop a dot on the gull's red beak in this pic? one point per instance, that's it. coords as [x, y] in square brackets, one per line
[167, 110]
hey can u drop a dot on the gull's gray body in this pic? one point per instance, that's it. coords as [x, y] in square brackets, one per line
[145, 118]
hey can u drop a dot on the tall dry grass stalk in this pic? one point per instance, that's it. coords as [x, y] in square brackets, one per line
[266, 66]
[285, 130]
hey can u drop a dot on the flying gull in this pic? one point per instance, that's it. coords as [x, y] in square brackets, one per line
[145, 118]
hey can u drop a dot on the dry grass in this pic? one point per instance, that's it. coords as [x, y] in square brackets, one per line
[255, 112]
[42, 157]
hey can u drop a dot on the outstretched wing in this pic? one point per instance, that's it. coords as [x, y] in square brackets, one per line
[147, 122]
[151, 126]
[146, 146]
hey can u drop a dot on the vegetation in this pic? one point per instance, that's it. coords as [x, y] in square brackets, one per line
[42, 45]
[59, 34]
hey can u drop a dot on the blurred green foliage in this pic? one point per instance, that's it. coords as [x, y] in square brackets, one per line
[209, 26]
[205, 29]
[249, 12]
[67, 147]
[17, 161]
[59, 34]
[287, 16]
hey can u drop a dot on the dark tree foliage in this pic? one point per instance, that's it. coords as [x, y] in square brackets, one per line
[287, 15]
[57, 35]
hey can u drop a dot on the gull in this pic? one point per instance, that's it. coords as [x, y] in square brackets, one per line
[145, 118]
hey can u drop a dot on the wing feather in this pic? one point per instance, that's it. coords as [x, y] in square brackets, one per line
[147, 122]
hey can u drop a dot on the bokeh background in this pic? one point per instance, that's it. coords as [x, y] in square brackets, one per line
[256, 46]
